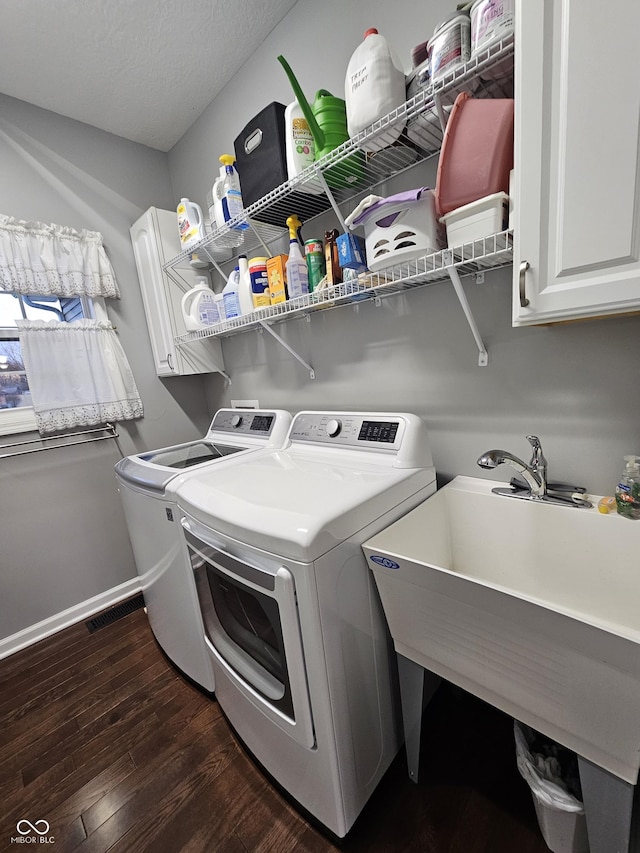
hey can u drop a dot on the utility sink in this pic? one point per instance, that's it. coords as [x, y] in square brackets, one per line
[533, 607]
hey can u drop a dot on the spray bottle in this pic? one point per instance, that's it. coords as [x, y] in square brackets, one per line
[296, 266]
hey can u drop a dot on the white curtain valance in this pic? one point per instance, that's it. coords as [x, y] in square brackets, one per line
[52, 260]
[78, 374]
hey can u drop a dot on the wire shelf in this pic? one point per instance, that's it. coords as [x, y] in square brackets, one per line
[362, 162]
[408, 135]
[488, 253]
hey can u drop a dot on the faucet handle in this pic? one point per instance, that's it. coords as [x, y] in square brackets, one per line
[534, 441]
[538, 462]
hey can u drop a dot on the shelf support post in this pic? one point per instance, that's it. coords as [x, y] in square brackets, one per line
[259, 236]
[267, 328]
[216, 266]
[218, 369]
[334, 204]
[442, 116]
[483, 357]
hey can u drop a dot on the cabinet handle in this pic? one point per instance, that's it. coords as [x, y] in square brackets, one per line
[524, 266]
[169, 361]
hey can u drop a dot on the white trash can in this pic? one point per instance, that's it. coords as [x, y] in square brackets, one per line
[560, 814]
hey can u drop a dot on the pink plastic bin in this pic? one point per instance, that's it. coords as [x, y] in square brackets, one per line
[477, 152]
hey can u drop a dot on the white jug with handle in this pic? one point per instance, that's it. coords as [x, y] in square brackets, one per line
[190, 223]
[374, 86]
[199, 307]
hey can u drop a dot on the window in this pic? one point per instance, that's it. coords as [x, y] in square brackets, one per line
[16, 410]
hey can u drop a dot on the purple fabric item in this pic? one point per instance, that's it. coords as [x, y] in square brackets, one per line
[399, 198]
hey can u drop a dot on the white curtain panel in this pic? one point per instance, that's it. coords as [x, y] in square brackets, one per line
[78, 374]
[53, 260]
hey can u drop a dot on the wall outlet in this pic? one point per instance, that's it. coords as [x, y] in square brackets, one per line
[245, 404]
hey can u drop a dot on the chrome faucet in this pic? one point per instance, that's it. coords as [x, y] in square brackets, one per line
[535, 476]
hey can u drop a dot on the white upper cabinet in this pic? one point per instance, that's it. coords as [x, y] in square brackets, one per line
[577, 158]
[155, 241]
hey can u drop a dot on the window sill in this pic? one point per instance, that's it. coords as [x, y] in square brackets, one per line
[17, 420]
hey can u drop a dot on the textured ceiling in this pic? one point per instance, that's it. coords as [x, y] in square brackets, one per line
[142, 69]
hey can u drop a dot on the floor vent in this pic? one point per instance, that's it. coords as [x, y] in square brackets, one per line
[115, 613]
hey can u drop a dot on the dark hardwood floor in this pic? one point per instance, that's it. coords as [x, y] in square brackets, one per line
[105, 741]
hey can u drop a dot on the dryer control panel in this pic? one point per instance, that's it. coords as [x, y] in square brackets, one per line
[382, 432]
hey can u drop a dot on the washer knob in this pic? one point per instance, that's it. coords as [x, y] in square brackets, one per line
[236, 420]
[333, 427]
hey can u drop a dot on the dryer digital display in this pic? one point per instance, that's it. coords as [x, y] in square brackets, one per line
[378, 431]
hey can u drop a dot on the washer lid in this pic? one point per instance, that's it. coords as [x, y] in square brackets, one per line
[295, 503]
[154, 469]
[231, 432]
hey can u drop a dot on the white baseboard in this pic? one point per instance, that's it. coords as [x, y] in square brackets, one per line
[77, 613]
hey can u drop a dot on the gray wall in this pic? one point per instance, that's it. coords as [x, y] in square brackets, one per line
[64, 538]
[63, 532]
[572, 385]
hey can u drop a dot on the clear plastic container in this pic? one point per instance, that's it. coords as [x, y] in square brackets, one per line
[477, 152]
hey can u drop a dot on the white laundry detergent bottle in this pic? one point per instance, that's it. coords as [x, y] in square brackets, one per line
[190, 223]
[245, 295]
[230, 295]
[300, 148]
[199, 306]
[374, 86]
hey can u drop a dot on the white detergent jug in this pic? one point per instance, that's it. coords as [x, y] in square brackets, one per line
[199, 306]
[374, 86]
[190, 223]
[300, 147]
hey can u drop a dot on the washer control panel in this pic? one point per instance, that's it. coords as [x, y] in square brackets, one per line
[243, 422]
[377, 432]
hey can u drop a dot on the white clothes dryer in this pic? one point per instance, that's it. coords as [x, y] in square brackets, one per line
[304, 665]
[152, 521]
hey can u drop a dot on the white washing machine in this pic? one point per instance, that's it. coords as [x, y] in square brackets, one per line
[303, 661]
[153, 524]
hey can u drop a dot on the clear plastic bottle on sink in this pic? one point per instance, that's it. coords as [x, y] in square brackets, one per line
[628, 489]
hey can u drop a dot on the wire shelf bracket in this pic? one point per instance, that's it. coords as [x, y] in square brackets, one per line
[267, 328]
[454, 275]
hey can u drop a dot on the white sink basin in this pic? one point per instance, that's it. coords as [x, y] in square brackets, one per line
[533, 607]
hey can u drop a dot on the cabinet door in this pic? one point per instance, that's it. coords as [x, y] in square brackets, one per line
[577, 160]
[155, 241]
[147, 250]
